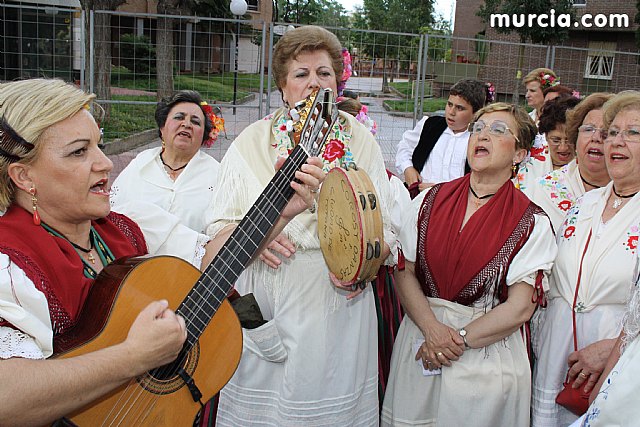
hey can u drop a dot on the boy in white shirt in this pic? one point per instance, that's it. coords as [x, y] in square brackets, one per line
[436, 149]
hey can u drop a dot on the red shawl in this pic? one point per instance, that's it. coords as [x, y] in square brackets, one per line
[53, 265]
[461, 265]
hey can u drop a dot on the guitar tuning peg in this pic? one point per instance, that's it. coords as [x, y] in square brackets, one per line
[294, 114]
[289, 125]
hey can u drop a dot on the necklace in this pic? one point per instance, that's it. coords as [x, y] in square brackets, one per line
[478, 198]
[588, 183]
[85, 250]
[617, 202]
[170, 168]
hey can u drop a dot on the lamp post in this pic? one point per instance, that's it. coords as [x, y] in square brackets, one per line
[238, 8]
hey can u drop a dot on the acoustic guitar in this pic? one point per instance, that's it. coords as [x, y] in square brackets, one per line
[172, 395]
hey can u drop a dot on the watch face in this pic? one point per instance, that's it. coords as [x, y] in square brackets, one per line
[462, 332]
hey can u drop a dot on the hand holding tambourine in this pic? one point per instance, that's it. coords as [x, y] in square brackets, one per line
[350, 227]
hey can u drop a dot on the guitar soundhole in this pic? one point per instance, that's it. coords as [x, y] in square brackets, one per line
[165, 379]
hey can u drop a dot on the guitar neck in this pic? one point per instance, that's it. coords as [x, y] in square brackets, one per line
[217, 280]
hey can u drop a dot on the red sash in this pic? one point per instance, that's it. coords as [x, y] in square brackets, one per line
[461, 265]
[53, 265]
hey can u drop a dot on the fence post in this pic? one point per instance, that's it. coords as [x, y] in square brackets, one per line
[269, 68]
[553, 57]
[91, 52]
[418, 95]
[83, 43]
[262, 54]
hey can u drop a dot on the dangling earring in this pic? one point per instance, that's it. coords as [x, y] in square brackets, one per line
[34, 203]
[514, 170]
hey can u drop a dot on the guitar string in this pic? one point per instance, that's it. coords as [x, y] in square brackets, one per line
[141, 391]
[289, 171]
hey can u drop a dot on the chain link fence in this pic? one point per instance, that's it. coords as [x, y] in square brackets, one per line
[128, 58]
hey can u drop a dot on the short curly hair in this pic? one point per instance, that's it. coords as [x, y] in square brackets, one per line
[534, 75]
[526, 131]
[473, 91]
[309, 38]
[165, 105]
[623, 101]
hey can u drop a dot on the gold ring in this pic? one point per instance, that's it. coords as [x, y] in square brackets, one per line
[583, 375]
[439, 354]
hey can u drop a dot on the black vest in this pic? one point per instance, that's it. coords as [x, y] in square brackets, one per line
[433, 129]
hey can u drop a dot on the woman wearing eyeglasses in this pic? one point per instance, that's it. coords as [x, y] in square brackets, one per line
[557, 191]
[597, 257]
[472, 279]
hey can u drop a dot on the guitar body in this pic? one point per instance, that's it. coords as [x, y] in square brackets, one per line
[121, 291]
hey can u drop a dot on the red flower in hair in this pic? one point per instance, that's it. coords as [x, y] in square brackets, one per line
[217, 122]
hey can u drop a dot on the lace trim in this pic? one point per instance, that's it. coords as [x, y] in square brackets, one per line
[14, 343]
[200, 251]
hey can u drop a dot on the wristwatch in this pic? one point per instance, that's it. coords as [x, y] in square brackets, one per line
[463, 333]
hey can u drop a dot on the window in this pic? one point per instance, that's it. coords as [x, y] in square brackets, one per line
[579, 2]
[253, 5]
[600, 60]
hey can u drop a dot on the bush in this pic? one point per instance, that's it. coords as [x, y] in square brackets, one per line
[137, 54]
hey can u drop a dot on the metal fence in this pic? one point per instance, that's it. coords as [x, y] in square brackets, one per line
[398, 75]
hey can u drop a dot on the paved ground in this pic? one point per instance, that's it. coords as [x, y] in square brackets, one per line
[390, 127]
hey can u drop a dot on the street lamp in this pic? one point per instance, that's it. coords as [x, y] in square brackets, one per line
[238, 8]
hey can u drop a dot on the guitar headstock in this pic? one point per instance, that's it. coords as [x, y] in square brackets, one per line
[313, 117]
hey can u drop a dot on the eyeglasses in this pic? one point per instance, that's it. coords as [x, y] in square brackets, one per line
[556, 141]
[496, 128]
[592, 131]
[628, 135]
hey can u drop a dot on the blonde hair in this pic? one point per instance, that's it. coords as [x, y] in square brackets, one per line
[534, 76]
[30, 107]
[526, 131]
[623, 101]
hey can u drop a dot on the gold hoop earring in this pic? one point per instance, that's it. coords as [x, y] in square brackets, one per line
[34, 204]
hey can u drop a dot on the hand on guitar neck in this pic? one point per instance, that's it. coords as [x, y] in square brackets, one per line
[308, 178]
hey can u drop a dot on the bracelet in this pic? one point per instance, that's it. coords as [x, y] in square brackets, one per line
[313, 207]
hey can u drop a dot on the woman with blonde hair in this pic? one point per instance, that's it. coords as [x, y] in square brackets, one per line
[56, 235]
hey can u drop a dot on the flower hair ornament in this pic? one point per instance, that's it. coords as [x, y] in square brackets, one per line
[367, 121]
[217, 123]
[347, 70]
[547, 81]
[491, 92]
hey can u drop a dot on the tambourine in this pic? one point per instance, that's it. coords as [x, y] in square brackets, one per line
[350, 224]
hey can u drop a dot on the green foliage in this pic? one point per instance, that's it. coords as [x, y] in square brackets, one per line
[320, 12]
[440, 45]
[482, 47]
[534, 33]
[405, 89]
[137, 54]
[126, 119]
[406, 106]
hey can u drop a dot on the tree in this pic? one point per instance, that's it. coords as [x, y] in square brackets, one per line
[533, 33]
[102, 46]
[393, 15]
[164, 42]
[310, 12]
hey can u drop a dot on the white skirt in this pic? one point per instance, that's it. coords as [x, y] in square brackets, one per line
[490, 386]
